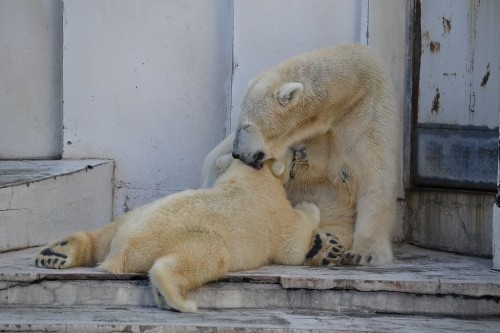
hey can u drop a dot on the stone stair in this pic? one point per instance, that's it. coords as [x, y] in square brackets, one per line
[44, 200]
[422, 291]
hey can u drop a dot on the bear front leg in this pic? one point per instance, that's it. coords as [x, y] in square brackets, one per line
[211, 170]
[329, 244]
[296, 238]
[372, 234]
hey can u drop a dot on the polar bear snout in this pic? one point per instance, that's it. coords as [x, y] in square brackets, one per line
[248, 146]
[256, 160]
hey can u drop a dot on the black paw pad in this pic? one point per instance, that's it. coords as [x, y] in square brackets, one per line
[50, 252]
[332, 255]
[336, 250]
[315, 248]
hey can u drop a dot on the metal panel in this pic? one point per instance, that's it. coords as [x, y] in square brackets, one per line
[460, 63]
[456, 123]
[464, 157]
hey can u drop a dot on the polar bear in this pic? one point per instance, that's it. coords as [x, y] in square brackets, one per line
[192, 237]
[334, 108]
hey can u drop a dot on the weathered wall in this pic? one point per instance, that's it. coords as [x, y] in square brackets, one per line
[455, 125]
[30, 79]
[153, 84]
[146, 83]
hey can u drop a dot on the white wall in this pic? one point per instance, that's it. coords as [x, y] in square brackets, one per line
[151, 83]
[30, 79]
[146, 83]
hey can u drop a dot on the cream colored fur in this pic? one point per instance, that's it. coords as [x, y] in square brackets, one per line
[335, 109]
[190, 238]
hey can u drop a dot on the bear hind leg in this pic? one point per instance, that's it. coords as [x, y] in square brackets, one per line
[78, 249]
[167, 286]
[72, 251]
[192, 265]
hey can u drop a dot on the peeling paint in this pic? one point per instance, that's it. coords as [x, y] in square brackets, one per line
[486, 76]
[435, 102]
[434, 46]
[446, 25]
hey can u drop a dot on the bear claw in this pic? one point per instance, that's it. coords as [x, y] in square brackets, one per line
[356, 259]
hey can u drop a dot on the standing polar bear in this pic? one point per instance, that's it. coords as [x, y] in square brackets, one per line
[334, 108]
[192, 237]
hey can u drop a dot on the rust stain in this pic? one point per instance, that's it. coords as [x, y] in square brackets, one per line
[486, 76]
[434, 46]
[446, 25]
[435, 102]
[426, 35]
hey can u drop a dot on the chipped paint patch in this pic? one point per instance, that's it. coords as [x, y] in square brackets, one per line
[486, 76]
[446, 25]
[435, 102]
[434, 46]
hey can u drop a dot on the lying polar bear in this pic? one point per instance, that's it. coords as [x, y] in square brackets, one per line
[190, 238]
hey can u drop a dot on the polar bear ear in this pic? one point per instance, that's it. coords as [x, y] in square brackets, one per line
[277, 167]
[224, 161]
[289, 93]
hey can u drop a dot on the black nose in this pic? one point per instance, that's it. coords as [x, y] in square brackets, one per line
[236, 156]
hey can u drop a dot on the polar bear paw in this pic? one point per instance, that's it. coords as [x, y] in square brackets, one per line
[71, 251]
[325, 251]
[55, 256]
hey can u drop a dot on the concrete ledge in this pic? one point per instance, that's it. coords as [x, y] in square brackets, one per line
[456, 221]
[419, 282]
[43, 200]
[134, 319]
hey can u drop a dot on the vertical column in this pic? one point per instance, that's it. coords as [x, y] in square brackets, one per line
[30, 79]
[496, 215]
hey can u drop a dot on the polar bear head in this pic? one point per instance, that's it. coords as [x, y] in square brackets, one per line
[274, 115]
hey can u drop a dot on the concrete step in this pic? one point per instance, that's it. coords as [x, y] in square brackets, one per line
[44, 200]
[148, 319]
[420, 281]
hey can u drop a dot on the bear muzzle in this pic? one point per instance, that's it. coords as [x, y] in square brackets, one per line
[247, 147]
[256, 160]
